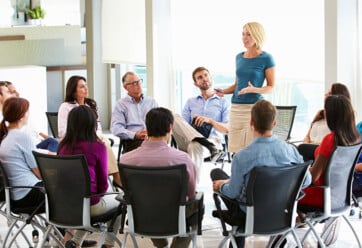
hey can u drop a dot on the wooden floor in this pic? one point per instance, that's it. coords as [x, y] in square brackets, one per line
[211, 235]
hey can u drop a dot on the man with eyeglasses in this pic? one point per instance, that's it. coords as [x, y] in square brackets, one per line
[129, 114]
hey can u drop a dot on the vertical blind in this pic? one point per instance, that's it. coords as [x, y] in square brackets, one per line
[123, 32]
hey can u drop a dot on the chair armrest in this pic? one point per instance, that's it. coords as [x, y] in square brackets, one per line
[105, 193]
[300, 195]
[318, 186]
[41, 189]
[198, 196]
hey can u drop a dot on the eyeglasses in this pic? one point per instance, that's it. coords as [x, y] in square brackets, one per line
[134, 83]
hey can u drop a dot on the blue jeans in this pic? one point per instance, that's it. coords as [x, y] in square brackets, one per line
[50, 144]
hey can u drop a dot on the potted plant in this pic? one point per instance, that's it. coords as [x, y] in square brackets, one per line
[36, 15]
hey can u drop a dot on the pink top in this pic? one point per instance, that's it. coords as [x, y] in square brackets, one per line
[96, 156]
[158, 153]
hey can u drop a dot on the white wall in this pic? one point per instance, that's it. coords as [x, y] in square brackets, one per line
[30, 82]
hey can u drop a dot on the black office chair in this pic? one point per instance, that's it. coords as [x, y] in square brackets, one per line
[20, 217]
[337, 193]
[271, 200]
[156, 202]
[52, 118]
[120, 149]
[285, 119]
[67, 184]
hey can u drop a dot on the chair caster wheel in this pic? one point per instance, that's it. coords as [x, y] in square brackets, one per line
[70, 244]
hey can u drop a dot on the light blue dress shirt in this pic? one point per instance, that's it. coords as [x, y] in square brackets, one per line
[215, 107]
[18, 161]
[128, 116]
[262, 151]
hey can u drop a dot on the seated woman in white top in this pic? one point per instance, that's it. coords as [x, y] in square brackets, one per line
[76, 94]
[318, 128]
[16, 155]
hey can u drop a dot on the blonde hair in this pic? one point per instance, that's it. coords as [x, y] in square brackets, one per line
[257, 32]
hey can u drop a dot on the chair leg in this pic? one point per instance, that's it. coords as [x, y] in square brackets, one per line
[354, 232]
[194, 240]
[295, 236]
[20, 230]
[311, 229]
[233, 241]
[224, 241]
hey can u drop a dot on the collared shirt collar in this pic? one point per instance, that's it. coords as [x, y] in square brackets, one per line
[132, 98]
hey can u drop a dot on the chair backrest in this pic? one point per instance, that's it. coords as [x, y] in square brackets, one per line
[272, 197]
[3, 183]
[339, 178]
[66, 181]
[285, 120]
[53, 123]
[154, 196]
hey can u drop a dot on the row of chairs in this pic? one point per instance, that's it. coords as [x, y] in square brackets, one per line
[281, 217]
[272, 195]
[154, 200]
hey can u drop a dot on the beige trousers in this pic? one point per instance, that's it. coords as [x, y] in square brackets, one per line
[184, 133]
[240, 133]
[112, 162]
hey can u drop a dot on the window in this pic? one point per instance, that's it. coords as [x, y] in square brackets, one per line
[208, 33]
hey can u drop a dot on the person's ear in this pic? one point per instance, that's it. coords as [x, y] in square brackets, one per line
[274, 123]
[169, 130]
[251, 122]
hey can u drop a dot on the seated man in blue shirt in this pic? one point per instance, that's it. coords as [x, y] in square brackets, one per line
[206, 108]
[264, 150]
[129, 114]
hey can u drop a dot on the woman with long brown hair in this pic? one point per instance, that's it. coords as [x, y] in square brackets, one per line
[77, 95]
[81, 138]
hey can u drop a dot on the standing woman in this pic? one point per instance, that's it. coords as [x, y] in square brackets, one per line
[16, 156]
[253, 67]
[76, 94]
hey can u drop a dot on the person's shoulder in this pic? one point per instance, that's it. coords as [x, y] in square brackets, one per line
[100, 144]
[239, 55]
[223, 100]
[192, 100]
[266, 54]
[182, 156]
[268, 59]
[66, 105]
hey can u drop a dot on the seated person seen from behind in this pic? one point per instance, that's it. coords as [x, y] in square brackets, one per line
[44, 143]
[155, 151]
[81, 138]
[16, 155]
[128, 116]
[209, 114]
[264, 150]
[340, 118]
[76, 94]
